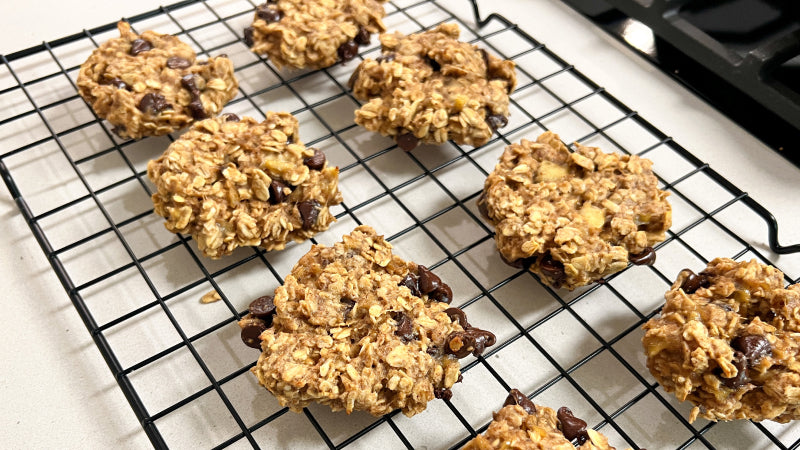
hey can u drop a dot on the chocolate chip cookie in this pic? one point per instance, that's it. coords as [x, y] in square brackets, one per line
[727, 340]
[573, 218]
[153, 84]
[313, 33]
[233, 182]
[355, 327]
[522, 425]
[429, 87]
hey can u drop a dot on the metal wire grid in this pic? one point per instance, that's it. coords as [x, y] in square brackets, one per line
[180, 364]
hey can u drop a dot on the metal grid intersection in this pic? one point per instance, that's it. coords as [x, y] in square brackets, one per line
[180, 364]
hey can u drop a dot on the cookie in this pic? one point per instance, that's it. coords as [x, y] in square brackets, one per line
[355, 327]
[429, 87]
[313, 33]
[522, 425]
[727, 340]
[153, 84]
[573, 218]
[233, 182]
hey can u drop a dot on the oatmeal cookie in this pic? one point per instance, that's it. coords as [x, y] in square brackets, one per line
[573, 218]
[727, 340]
[521, 425]
[429, 87]
[232, 182]
[152, 84]
[355, 327]
[313, 33]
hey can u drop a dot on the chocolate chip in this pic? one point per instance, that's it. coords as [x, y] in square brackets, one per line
[646, 258]
[251, 333]
[230, 117]
[485, 56]
[277, 192]
[457, 315]
[405, 327]
[407, 141]
[153, 103]
[472, 340]
[410, 281]
[694, 282]
[428, 281]
[753, 346]
[443, 294]
[248, 36]
[433, 63]
[119, 84]
[290, 139]
[457, 345]
[262, 307]
[434, 351]
[268, 14]
[176, 62]
[349, 304]
[188, 82]
[196, 105]
[741, 378]
[552, 269]
[316, 162]
[347, 51]
[309, 211]
[442, 393]
[388, 57]
[197, 110]
[496, 121]
[571, 426]
[516, 397]
[139, 46]
[362, 37]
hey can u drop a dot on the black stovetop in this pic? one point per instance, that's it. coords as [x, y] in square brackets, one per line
[742, 56]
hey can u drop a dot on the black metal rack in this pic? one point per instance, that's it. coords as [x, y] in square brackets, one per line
[180, 364]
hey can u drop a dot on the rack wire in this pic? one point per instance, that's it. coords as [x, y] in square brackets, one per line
[180, 364]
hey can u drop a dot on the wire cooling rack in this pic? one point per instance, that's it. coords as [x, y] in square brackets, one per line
[180, 363]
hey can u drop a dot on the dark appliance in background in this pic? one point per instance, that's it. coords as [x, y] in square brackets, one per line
[741, 56]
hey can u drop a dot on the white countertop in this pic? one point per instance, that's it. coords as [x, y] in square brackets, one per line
[55, 389]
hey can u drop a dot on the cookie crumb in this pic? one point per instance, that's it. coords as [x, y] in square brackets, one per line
[210, 297]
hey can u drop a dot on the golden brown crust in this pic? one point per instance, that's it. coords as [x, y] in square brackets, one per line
[349, 333]
[727, 341]
[309, 33]
[115, 83]
[218, 183]
[433, 87]
[573, 217]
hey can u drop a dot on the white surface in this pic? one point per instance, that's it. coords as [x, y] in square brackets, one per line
[55, 389]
